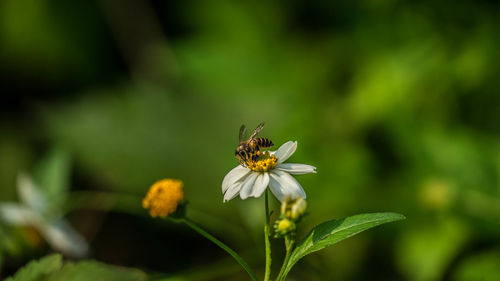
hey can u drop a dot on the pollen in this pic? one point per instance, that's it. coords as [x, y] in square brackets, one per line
[264, 162]
[163, 197]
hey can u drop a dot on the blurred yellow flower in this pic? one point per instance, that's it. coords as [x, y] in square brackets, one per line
[163, 197]
[437, 194]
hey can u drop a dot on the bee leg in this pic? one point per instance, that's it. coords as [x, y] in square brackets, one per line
[256, 154]
[243, 157]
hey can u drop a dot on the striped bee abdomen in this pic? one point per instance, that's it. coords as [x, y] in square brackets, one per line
[263, 142]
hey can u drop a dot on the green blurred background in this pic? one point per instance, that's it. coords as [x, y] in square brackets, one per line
[395, 102]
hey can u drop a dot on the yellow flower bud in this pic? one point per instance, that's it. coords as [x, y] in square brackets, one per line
[293, 208]
[298, 208]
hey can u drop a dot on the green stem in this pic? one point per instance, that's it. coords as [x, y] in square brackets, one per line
[289, 244]
[267, 274]
[210, 237]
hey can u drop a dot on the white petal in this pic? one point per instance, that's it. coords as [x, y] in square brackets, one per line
[30, 194]
[62, 237]
[233, 191]
[276, 187]
[260, 184]
[17, 214]
[289, 185]
[285, 151]
[233, 176]
[296, 169]
[248, 185]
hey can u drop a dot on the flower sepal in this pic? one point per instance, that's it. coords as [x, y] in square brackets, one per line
[180, 212]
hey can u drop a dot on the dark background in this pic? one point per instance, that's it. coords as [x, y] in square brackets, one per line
[395, 102]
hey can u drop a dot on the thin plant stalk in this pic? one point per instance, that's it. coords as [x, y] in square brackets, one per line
[267, 274]
[223, 246]
[289, 244]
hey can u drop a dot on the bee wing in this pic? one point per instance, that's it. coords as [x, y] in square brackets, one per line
[243, 131]
[257, 130]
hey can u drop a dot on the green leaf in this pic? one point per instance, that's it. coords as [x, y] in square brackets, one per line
[484, 266]
[334, 231]
[52, 173]
[92, 271]
[51, 268]
[38, 270]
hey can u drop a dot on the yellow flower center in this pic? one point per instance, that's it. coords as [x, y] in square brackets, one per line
[263, 163]
[163, 197]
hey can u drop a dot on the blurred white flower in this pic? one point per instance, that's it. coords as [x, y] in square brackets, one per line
[32, 211]
[252, 179]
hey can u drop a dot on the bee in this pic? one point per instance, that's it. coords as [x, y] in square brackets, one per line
[250, 149]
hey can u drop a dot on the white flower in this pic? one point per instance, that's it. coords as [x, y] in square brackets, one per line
[32, 212]
[253, 179]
